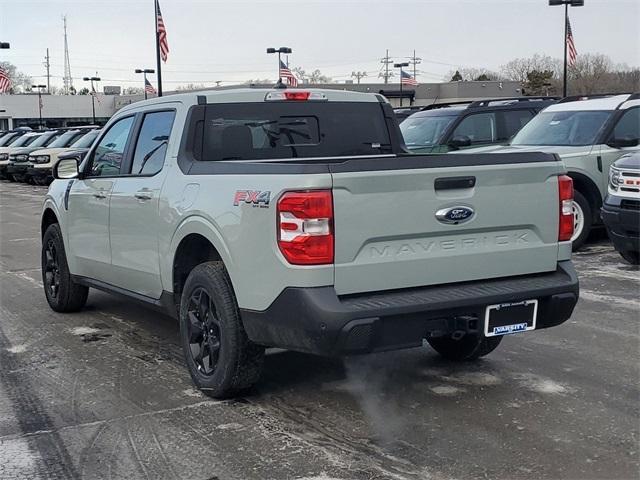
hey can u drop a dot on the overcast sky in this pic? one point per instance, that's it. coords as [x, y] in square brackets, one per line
[226, 40]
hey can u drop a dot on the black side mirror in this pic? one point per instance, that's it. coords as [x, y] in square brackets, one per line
[65, 169]
[460, 141]
[623, 142]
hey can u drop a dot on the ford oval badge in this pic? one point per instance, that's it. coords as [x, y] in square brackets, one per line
[455, 215]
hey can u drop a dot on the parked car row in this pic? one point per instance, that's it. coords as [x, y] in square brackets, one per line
[28, 156]
[589, 133]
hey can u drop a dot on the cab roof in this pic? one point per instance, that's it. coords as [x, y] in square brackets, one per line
[253, 95]
[586, 103]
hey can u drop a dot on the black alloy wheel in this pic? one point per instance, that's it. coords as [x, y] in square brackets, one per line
[204, 332]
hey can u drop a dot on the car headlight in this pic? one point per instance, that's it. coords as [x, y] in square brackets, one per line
[614, 178]
[42, 159]
[4, 156]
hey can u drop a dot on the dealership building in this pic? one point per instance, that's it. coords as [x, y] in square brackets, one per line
[72, 110]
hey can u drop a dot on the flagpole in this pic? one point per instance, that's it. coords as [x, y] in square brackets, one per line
[155, 4]
[566, 33]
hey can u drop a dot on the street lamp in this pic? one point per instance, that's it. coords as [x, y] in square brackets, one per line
[566, 3]
[144, 71]
[279, 51]
[400, 66]
[5, 45]
[39, 87]
[93, 95]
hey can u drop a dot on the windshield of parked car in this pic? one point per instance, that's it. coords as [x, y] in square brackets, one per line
[7, 139]
[24, 141]
[44, 140]
[425, 130]
[86, 140]
[562, 128]
[66, 139]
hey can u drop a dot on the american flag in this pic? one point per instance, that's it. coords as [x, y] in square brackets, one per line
[5, 81]
[571, 46]
[148, 88]
[286, 73]
[407, 79]
[162, 34]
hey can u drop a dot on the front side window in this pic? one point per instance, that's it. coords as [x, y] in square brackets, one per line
[571, 128]
[253, 131]
[628, 127]
[425, 130]
[107, 157]
[479, 128]
[151, 146]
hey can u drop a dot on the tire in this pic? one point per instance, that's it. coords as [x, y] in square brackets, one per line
[11, 178]
[583, 220]
[63, 294]
[469, 347]
[221, 359]
[632, 257]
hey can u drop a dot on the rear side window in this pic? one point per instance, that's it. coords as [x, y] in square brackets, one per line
[514, 120]
[254, 131]
[151, 146]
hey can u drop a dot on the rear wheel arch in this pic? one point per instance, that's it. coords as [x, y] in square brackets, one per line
[192, 250]
[590, 191]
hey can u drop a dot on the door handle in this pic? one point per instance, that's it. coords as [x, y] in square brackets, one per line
[100, 194]
[143, 195]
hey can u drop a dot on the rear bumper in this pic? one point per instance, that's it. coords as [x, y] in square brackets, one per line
[316, 320]
[623, 224]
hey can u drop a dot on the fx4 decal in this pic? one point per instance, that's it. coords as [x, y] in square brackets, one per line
[254, 197]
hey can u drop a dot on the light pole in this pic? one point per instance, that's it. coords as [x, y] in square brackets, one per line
[566, 3]
[279, 51]
[93, 95]
[400, 66]
[144, 71]
[39, 87]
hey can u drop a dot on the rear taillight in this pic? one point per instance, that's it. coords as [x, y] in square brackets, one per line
[565, 193]
[305, 227]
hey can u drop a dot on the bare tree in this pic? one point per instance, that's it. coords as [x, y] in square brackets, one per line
[20, 82]
[520, 68]
[473, 74]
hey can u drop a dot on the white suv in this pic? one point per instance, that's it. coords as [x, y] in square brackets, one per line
[589, 134]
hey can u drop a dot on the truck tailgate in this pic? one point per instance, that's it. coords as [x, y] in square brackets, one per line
[387, 235]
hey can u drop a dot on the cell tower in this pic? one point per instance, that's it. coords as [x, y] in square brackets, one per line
[68, 82]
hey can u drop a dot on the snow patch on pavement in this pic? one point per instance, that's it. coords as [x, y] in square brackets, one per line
[84, 331]
[446, 390]
[543, 385]
[17, 348]
[473, 378]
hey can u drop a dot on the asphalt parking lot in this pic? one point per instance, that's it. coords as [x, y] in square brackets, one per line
[104, 393]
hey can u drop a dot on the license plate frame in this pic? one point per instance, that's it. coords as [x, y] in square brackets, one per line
[525, 315]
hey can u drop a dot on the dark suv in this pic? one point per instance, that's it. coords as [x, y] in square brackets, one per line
[440, 128]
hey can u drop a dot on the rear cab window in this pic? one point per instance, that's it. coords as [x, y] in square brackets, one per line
[255, 131]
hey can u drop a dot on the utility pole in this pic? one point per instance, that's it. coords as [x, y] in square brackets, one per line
[386, 61]
[358, 75]
[415, 61]
[47, 65]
